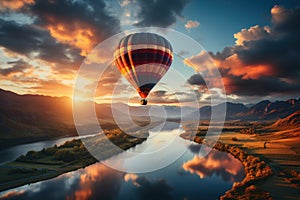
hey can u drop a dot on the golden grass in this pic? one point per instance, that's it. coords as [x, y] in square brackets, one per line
[271, 159]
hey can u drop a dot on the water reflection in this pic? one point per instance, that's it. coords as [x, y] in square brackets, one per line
[180, 180]
[146, 189]
[219, 163]
[97, 181]
[94, 182]
[162, 147]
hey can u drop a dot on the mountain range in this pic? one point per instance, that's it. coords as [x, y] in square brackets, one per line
[28, 118]
[264, 110]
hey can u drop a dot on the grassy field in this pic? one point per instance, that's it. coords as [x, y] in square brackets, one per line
[260, 147]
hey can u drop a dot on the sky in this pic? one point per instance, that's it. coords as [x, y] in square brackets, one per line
[254, 44]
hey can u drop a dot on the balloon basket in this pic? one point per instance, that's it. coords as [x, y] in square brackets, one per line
[143, 102]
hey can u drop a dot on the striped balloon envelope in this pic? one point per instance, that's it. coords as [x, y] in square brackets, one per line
[143, 59]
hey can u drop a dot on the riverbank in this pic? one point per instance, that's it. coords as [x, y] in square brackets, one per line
[72, 155]
[270, 158]
[256, 171]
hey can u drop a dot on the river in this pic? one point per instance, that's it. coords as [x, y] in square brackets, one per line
[190, 176]
[11, 153]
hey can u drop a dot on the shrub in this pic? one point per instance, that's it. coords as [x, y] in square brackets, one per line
[64, 155]
[33, 155]
[250, 131]
[21, 158]
[72, 143]
[51, 151]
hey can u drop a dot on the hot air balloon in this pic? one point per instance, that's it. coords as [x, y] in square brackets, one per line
[143, 59]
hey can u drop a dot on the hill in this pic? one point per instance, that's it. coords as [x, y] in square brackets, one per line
[292, 120]
[28, 118]
[264, 110]
[272, 110]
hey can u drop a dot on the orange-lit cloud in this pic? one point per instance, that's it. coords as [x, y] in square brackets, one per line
[215, 163]
[191, 24]
[262, 62]
[35, 78]
[253, 33]
[58, 36]
[279, 13]
[37, 86]
[237, 68]
[53, 88]
[14, 4]
[76, 34]
[201, 62]
[83, 26]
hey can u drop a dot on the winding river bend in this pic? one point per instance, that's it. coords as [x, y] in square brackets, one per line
[190, 176]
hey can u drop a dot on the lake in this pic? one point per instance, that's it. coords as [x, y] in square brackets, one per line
[188, 175]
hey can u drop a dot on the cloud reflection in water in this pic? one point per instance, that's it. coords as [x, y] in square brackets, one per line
[94, 182]
[219, 163]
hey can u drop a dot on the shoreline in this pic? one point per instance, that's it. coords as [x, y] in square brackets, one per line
[259, 167]
[269, 155]
[25, 171]
[256, 171]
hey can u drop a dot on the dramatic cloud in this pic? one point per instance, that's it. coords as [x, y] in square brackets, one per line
[35, 43]
[264, 60]
[220, 163]
[14, 4]
[160, 13]
[56, 35]
[84, 25]
[191, 24]
[62, 31]
[253, 33]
